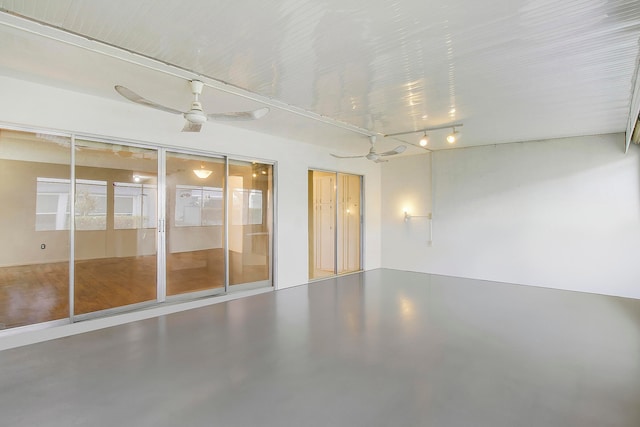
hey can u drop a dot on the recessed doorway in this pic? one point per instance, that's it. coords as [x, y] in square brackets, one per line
[335, 223]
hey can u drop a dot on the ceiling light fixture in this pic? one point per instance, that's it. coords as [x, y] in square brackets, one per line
[202, 173]
[424, 140]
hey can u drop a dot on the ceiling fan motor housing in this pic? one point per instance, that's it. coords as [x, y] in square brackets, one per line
[195, 114]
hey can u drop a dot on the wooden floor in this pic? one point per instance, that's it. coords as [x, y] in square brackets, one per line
[40, 293]
[381, 348]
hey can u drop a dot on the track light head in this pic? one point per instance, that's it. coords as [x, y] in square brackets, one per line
[451, 138]
[424, 140]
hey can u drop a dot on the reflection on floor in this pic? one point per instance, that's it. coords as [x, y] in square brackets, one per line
[318, 274]
[39, 293]
[379, 348]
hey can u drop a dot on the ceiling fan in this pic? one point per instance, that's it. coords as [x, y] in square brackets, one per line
[373, 155]
[195, 116]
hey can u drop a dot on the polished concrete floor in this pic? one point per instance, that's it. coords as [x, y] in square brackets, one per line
[382, 348]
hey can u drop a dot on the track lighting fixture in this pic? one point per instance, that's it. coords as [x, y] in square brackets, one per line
[424, 140]
[451, 138]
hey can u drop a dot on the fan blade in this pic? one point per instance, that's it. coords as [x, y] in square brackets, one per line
[346, 157]
[380, 160]
[399, 149]
[239, 115]
[134, 97]
[191, 127]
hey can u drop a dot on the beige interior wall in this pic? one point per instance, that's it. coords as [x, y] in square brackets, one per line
[20, 241]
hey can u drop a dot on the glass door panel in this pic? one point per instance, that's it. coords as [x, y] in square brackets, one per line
[115, 226]
[194, 223]
[250, 210]
[322, 216]
[35, 191]
[348, 223]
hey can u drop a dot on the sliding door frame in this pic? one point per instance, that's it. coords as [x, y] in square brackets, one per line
[161, 212]
[227, 288]
[159, 200]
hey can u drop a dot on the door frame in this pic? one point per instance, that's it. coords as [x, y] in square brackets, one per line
[361, 216]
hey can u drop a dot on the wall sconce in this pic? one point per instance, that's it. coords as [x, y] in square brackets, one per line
[408, 216]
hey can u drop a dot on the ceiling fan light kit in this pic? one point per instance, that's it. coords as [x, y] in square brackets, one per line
[195, 117]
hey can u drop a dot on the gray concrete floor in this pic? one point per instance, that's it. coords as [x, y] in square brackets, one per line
[382, 348]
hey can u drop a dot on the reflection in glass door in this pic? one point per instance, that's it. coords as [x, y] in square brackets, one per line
[334, 223]
[250, 210]
[194, 223]
[115, 226]
[35, 191]
[81, 217]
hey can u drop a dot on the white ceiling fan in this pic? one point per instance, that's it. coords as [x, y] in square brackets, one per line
[373, 155]
[195, 116]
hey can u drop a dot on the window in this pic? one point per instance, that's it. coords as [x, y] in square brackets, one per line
[91, 205]
[52, 204]
[247, 207]
[134, 205]
[197, 206]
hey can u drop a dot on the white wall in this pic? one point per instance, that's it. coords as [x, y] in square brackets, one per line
[561, 213]
[28, 104]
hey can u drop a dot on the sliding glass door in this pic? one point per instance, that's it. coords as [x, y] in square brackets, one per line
[195, 224]
[35, 192]
[250, 207]
[94, 227]
[334, 223]
[116, 191]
